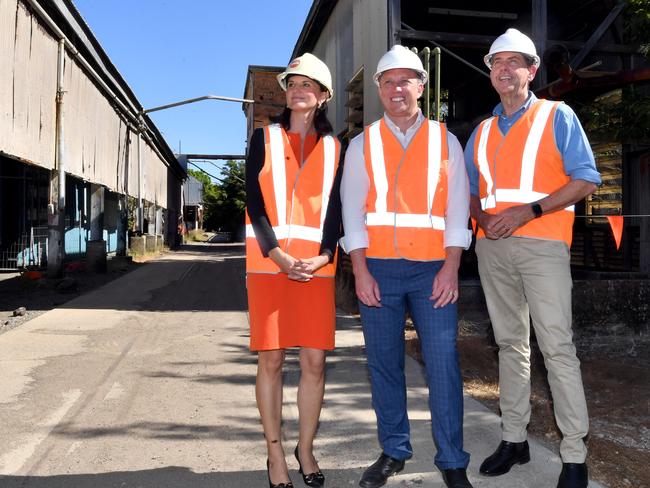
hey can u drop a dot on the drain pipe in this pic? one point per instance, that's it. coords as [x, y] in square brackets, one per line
[140, 165]
[60, 141]
[56, 207]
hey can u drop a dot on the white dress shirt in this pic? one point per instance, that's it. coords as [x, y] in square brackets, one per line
[356, 183]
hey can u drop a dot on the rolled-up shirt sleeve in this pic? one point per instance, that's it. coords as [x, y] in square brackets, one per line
[457, 233]
[571, 141]
[470, 167]
[354, 191]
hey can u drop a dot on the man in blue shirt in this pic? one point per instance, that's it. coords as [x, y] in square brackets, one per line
[528, 165]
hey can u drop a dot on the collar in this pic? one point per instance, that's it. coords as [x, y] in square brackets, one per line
[498, 110]
[416, 125]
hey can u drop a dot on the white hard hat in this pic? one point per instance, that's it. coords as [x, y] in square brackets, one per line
[514, 41]
[310, 66]
[400, 57]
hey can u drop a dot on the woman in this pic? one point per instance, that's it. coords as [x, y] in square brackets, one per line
[294, 222]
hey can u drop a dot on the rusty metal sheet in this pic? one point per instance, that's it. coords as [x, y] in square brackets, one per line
[99, 145]
[27, 87]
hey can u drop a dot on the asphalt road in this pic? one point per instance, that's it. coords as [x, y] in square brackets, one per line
[147, 382]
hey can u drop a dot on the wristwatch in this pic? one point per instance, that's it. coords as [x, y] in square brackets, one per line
[537, 209]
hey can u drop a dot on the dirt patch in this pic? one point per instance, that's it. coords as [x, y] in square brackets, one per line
[618, 398]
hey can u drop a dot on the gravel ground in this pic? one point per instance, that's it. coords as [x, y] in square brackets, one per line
[38, 296]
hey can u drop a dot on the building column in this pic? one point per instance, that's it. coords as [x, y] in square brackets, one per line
[540, 34]
[96, 246]
[644, 209]
[55, 227]
[122, 225]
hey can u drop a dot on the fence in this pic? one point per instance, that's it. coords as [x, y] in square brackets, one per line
[30, 251]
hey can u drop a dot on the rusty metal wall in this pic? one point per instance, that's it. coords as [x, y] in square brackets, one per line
[27, 86]
[359, 27]
[99, 145]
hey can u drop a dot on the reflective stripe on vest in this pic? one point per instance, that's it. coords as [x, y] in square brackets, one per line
[419, 234]
[525, 192]
[381, 216]
[286, 206]
[521, 167]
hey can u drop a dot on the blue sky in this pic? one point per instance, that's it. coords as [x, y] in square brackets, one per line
[171, 50]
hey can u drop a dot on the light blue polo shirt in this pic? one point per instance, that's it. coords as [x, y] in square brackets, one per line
[570, 139]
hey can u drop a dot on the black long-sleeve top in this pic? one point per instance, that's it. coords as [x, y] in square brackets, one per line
[332, 226]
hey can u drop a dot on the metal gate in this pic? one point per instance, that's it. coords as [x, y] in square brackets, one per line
[30, 251]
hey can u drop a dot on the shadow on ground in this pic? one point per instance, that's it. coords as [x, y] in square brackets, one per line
[166, 477]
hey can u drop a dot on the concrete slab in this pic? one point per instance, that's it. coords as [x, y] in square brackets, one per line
[148, 382]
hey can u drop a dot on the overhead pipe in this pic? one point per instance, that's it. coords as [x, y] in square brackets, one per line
[198, 99]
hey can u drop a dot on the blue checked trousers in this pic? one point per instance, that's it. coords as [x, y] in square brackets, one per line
[406, 285]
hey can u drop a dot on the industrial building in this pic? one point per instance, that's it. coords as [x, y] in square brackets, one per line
[82, 167]
[590, 59]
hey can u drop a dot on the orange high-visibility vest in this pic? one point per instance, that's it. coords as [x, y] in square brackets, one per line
[523, 167]
[407, 198]
[295, 199]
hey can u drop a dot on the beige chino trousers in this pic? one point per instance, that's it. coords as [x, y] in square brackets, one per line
[522, 278]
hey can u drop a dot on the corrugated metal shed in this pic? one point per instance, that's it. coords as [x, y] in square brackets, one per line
[100, 142]
[192, 191]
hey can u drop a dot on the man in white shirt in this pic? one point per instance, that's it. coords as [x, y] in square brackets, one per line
[405, 201]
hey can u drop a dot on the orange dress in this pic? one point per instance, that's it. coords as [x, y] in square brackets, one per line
[286, 313]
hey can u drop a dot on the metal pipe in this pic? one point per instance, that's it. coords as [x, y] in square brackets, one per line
[437, 55]
[55, 267]
[140, 224]
[198, 99]
[60, 141]
[451, 53]
[427, 87]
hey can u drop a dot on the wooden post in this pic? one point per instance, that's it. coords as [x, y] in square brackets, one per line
[540, 35]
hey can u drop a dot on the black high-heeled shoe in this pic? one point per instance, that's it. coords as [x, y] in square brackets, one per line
[279, 485]
[316, 479]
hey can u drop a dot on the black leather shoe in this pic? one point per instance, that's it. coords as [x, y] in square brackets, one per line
[456, 478]
[573, 475]
[505, 457]
[378, 472]
[279, 485]
[316, 479]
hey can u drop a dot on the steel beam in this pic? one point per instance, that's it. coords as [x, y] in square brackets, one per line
[598, 33]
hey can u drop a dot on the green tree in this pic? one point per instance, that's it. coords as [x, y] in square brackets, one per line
[229, 207]
[623, 114]
[224, 201]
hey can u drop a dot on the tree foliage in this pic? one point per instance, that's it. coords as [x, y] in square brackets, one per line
[624, 114]
[224, 202]
[637, 23]
[227, 211]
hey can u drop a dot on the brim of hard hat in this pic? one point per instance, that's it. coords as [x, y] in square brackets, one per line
[487, 59]
[282, 81]
[424, 76]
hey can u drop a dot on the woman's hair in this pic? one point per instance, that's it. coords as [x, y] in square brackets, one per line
[322, 124]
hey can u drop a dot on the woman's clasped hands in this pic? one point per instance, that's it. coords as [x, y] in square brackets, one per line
[298, 269]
